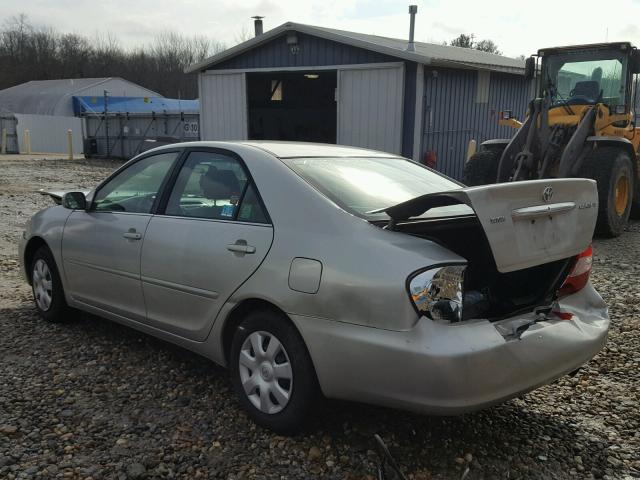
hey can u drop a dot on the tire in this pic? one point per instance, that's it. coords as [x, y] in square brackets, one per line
[284, 416]
[48, 293]
[608, 166]
[482, 168]
[635, 206]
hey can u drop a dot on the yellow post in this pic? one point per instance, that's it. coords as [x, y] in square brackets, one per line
[471, 149]
[3, 148]
[70, 143]
[27, 142]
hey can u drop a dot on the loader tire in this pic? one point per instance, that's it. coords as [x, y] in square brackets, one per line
[611, 168]
[482, 168]
[635, 206]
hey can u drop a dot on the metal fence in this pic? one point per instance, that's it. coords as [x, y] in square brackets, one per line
[8, 134]
[126, 135]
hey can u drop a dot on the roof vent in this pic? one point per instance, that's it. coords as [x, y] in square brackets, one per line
[257, 23]
[413, 9]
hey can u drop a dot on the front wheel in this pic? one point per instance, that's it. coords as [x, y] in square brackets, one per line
[272, 372]
[611, 168]
[48, 293]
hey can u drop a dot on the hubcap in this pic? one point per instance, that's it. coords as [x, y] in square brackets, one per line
[265, 372]
[621, 194]
[42, 285]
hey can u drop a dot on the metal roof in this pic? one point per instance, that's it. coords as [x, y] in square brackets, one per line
[586, 46]
[46, 97]
[425, 53]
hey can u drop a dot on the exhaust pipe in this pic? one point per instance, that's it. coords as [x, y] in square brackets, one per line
[257, 23]
[413, 9]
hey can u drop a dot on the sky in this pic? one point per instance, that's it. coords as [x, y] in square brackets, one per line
[518, 27]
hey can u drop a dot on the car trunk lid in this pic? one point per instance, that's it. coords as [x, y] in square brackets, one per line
[526, 223]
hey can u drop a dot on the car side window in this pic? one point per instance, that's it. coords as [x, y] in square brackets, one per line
[209, 185]
[135, 188]
[250, 207]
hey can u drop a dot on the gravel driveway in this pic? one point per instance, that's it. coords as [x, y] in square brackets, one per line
[91, 399]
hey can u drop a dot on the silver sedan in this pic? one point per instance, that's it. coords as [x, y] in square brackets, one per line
[317, 270]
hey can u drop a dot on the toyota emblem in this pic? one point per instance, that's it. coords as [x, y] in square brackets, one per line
[547, 193]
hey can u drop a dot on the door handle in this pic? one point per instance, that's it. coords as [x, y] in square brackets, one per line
[241, 247]
[132, 235]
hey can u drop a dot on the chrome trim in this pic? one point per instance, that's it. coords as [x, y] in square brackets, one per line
[542, 210]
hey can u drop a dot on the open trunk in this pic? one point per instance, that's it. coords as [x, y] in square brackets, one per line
[490, 293]
[518, 244]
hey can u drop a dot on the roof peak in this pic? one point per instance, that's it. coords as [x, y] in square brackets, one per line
[425, 53]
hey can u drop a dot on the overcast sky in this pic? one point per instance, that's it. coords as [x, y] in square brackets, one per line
[517, 27]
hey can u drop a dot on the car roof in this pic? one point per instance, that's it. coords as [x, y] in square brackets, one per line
[289, 149]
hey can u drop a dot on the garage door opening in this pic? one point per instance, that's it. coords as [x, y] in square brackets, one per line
[293, 106]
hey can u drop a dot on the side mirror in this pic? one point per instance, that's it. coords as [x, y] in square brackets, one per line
[529, 68]
[74, 201]
[635, 61]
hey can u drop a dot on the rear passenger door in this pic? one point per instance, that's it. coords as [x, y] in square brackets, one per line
[212, 234]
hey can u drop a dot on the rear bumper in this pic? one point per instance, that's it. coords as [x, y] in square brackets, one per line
[451, 369]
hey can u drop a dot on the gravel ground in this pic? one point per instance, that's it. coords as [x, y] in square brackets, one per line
[91, 399]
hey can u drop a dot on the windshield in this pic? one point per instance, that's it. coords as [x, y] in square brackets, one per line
[585, 77]
[360, 185]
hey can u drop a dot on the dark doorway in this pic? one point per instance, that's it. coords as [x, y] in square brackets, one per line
[293, 106]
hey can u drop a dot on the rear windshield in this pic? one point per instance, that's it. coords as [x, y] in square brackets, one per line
[360, 185]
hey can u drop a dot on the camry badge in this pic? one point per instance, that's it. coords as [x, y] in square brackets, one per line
[547, 193]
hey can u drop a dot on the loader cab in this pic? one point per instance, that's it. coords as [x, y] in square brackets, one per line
[589, 74]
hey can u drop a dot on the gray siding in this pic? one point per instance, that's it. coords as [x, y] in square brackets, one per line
[370, 108]
[223, 106]
[452, 116]
[313, 51]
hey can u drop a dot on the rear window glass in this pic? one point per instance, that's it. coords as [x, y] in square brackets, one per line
[360, 185]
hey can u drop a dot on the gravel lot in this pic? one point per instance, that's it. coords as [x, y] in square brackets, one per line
[91, 399]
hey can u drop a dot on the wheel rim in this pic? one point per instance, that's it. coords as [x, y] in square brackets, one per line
[265, 372]
[622, 194]
[42, 285]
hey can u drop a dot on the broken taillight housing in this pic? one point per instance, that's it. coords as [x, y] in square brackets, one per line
[578, 274]
[438, 292]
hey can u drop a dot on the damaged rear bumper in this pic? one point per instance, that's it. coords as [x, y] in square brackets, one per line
[450, 369]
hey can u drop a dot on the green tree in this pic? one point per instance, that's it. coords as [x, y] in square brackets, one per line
[468, 41]
[464, 41]
[487, 46]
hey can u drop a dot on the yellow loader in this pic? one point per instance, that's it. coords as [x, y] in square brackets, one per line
[581, 124]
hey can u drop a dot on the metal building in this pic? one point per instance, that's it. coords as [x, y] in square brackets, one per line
[55, 97]
[303, 82]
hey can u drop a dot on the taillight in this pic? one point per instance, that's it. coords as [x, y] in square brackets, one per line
[438, 292]
[579, 274]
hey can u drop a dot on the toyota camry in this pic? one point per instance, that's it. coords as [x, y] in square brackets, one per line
[315, 271]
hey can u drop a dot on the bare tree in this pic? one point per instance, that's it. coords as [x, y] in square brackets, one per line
[243, 35]
[29, 53]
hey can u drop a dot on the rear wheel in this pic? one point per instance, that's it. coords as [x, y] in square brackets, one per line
[482, 168]
[635, 206]
[48, 293]
[272, 372]
[611, 168]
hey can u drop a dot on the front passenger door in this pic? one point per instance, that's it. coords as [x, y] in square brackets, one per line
[101, 246]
